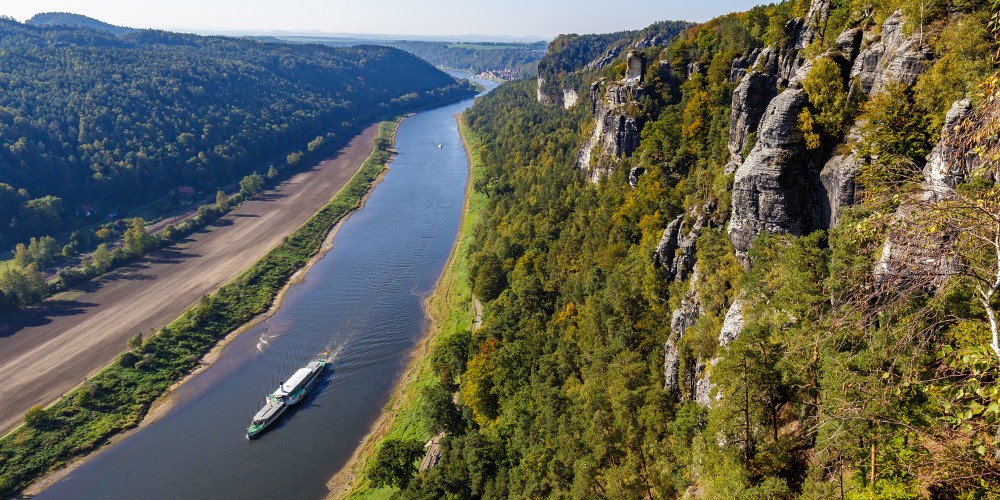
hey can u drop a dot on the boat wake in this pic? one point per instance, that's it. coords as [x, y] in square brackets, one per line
[263, 341]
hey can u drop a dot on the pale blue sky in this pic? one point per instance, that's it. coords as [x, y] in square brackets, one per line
[544, 18]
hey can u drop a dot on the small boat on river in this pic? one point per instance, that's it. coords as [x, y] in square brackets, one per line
[287, 394]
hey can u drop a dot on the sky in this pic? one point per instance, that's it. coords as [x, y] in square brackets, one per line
[519, 18]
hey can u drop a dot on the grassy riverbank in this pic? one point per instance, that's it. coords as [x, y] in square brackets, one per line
[119, 396]
[451, 311]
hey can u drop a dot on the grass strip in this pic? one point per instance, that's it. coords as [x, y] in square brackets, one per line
[118, 397]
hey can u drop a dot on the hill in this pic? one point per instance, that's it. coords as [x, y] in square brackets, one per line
[96, 123]
[514, 59]
[77, 20]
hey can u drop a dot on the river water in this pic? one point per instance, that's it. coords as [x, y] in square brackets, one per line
[362, 302]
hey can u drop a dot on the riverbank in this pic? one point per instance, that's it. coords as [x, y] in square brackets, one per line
[451, 311]
[120, 397]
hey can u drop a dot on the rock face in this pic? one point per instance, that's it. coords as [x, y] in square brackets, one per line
[906, 258]
[776, 188]
[569, 98]
[616, 131]
[891, 58]
[772, 190]
[732, 326]
[838, 178]
[894, 57]
[750, 99]
[675, 253]
[945, 169]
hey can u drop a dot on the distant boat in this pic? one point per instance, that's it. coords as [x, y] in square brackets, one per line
[287, 394]
[440, 146]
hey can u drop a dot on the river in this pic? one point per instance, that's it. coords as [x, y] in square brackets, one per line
[362, 302]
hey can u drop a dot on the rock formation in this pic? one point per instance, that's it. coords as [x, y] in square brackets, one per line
[616, 129]
[893, 57]
[771, 191]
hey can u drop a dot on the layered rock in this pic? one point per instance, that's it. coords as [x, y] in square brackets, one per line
[772, 191]
[893, 57]
[908, 257]
[763, 73]
[675, 255]
[616, 130]
[946, 169]
[750, 99]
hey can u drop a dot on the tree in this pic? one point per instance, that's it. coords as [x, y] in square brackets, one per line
[439, 410]
[827, 97]
[221, 201]
[393, 463]
[251, 184]
[101, 259]
[137, 240]
[41, 215]
[489, 278]
[271, 172]
[35, 417]
[27, 285]
[315, 144]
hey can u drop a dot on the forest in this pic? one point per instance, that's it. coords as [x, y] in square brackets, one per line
[93, 124]
[863, 365]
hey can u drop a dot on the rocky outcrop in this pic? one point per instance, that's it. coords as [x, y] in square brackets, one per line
[605, 60]
[772, 190]
[682, 318]
[616, 129]
[675, 255]
[633, 176]
[732, 326]
[742, 65]
[570, 98]
[750, 99]
[892, 57]
[912, 258]
[839, 180]
[763, 73]
[946, 169]
[542, 96]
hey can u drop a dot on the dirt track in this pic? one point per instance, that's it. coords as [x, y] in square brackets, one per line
[47, 350]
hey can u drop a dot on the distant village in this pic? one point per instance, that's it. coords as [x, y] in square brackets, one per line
[500, 74]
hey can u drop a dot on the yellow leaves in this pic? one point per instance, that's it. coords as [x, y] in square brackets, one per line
[477, 384]
[567, 313]
[806, 126]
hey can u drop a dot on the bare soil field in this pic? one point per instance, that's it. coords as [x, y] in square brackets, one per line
[49, 349]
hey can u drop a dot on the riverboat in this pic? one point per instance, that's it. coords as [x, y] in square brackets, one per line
[287, 394]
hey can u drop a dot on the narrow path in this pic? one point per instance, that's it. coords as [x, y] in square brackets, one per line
[49, 349]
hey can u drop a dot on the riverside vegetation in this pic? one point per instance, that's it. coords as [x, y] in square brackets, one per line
[118, 397]
[645, 336]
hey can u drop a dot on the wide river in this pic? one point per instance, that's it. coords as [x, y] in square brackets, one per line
[362, 302]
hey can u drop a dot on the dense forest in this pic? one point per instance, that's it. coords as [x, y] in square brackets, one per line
[93, 124]
[637, 343]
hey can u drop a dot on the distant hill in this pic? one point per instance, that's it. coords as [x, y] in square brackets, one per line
[513, 59]
[77, 20]
[110, 122]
